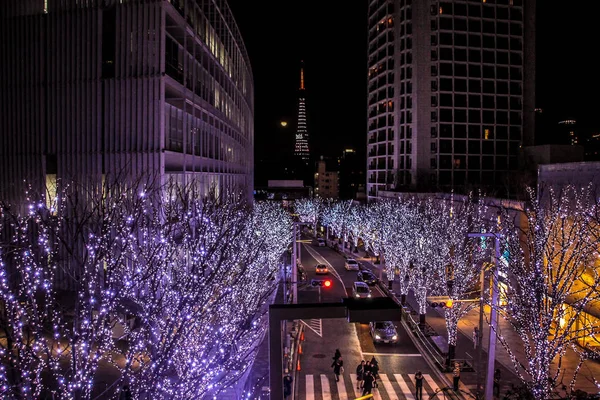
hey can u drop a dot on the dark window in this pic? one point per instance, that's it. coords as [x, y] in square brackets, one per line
[445, 69]
[501, 117]
[434, 86]
[434, 101]
[501, 28]
[474, 147]
[515, 133]
[474, 163]
[488, 27]
[487, 163]
[488, 57]
[434, 40]
[446, 39]
[474, 132]
[474, 116]
[445, 115]
[433, 159]
[460, 70]
[489, 72]
[502, 102]
[474, 101]
[446, 100]
[515, 59]
[108, 43]
[460, 115]
[460, 147]
[488, 117]
[460, 9]
[489, 42]
[446, 24]
[433, 147]
[434, 71]
[446, 54]
[474, 25]
[488, 87]
[515, 103]
[460, 131]
[434, 25]
[488, 102]
[460, 100]
[515, 88]
[502, 58]
[445, 146]
[474, 71]
[502, 87]
[516, 30]
[488, 11]
[445, 130]
[474, 55]
[460, 85]
[474, 41]
[487, 147]
[501, 72]
[434, 131]
[460, 54]
[515, 74]
[474, 86]
[446, 85]
[474, 10]
[502, 13]
[460, 39]
[501, 132]
[515, 118]
[434, 55]
[460, 24]
[516, 14]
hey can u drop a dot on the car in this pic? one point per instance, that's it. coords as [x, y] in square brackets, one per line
[383, 332]
[367, 276]
[361, 290]
[321, 242]
[321, 269]
[351, 264]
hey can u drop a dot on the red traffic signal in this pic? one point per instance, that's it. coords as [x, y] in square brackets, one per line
[321, 282]
[327, 283]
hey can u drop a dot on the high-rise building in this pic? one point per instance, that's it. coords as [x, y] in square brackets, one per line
[450, 92]
[94, 88]
[326, 179]
[568, 132]
[301, 149]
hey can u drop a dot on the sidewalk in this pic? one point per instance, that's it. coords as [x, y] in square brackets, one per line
[465, 348]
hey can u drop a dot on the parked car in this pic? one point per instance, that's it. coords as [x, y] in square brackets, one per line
[321, 269]
[321, 242]
[367, 276]
[361, 290]
[383, 332]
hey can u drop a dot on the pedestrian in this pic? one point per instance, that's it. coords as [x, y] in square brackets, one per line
[475, 337]
[375, 371]
[287, 385]
[337, 354]
[456, 375]
[338, 368]
[497, 377]
[360, 374]
[419, 385]
[368, 383]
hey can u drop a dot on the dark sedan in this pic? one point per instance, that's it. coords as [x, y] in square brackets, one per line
[367, 277]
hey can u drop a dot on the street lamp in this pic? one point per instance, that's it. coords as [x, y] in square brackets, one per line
[489, 385]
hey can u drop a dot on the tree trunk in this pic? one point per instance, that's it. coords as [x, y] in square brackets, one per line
[451, 355]
[403, 299]
[422, 320]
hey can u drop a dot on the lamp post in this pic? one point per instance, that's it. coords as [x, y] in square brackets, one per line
[489, 382]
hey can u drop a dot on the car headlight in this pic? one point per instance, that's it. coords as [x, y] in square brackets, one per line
[394, 337]
[369, 295]
[357, 295]
[377, 337]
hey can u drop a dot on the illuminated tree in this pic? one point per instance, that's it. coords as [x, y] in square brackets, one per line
[167, 292]
[336, 215]
[462, 261]
[551, 249]
[309, 210]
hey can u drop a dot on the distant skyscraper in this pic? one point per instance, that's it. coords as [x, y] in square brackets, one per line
[450, 92]
[94, 89]
[301, 150]
[568, 131]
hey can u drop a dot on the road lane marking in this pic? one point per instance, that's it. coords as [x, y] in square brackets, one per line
[404, 387]
[341, 387]
[314, 254]
[395, 354]
[431, 383]
[310, 387]
[388, 387]
[325, 387]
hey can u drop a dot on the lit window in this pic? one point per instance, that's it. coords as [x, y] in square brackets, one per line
[441, 11]
[486, 134]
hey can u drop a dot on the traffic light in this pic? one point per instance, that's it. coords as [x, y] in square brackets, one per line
[321, 282]
[441, 303]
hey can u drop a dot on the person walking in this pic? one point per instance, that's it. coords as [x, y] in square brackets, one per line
[375, 371]
[475, 337]
[419, 385]
[497, 377]
[338, 368]
[456, 375]
[368, 383]
[360, 374]
[287, 385]
[337, 355]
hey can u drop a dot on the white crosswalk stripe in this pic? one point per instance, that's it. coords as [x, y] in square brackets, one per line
[329, 389]
[325, 389]
[404, 387]
[310, 387]
[341, 387]
[388, 386]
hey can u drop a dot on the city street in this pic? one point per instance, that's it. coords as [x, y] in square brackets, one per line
[398, 362]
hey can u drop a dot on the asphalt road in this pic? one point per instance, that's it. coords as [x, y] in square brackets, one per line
[398, 362]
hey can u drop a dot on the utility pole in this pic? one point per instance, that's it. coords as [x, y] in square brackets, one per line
[489, 381]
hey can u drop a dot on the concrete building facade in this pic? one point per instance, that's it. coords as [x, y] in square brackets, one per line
[91, 89]
[450, 93]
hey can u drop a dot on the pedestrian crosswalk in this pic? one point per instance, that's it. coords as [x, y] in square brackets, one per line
[391, 387]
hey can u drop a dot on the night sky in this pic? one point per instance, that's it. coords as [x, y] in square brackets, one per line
[330, 36]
